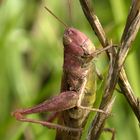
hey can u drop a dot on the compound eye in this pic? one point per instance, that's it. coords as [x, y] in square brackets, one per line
[67, 40]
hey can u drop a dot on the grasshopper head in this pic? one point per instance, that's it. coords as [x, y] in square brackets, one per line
[77, 42]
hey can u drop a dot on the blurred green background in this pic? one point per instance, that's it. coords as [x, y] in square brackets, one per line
[31, 58]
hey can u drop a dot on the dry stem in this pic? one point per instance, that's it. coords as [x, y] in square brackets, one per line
[116, 63]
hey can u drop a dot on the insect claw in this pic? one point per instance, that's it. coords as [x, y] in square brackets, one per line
[17, 115]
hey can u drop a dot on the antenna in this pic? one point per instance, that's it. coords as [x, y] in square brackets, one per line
[66, 26]
[69, 11]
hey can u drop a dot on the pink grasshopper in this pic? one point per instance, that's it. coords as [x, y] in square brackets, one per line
[76, 98]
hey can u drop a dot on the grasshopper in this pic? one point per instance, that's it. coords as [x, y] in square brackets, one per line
[78, 88]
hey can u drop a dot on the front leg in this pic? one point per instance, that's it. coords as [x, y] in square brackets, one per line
[63, 101]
